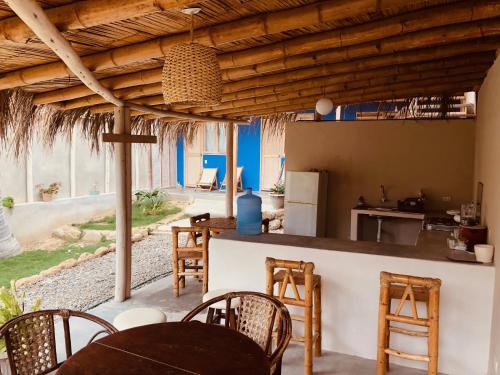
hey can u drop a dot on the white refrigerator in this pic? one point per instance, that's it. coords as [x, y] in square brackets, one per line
[305, 203]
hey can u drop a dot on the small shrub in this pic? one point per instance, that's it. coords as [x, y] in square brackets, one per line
[8, 202]
[278, 188]
[12, 306]
[151, 203]
[52, 189]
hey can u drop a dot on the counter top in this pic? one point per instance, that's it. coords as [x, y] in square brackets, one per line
[431, 245]
[389, 212]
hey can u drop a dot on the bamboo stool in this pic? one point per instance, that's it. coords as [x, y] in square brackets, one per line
[413, 289]
[193, 252]
[288, 272]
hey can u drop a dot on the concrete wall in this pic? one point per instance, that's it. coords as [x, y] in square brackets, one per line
[80, 171]
[31, 222]
[405, 156]
[488, 172]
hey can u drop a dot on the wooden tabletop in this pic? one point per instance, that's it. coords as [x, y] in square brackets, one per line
[218, 223]
[170, 348]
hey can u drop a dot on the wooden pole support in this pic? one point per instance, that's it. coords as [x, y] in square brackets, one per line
[123, 164]
[229, 169]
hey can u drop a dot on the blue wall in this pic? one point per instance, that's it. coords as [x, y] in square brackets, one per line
[249, 154]
[216, 161]
[248, 158]
[180, 161]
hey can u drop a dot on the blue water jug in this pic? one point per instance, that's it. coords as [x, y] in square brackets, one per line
[249, 214]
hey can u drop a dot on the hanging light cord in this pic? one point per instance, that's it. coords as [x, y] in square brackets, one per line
[191, 31]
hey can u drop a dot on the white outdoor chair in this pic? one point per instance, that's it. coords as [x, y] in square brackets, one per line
[239, 179]
[208, 179]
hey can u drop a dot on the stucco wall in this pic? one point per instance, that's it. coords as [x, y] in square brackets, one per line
[488, 172]
[405, 156]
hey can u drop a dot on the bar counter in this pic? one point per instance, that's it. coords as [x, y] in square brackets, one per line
[350, 272]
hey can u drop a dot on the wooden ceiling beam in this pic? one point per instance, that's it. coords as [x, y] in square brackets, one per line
[334, 93]
[456, 15]
[394, 72]
[309, 103]
[84, 14]
[260, 25]
[34, 16]
[339, 60]
[390, 74]
[147, 82]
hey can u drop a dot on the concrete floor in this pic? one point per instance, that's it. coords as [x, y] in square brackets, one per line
[159, 295]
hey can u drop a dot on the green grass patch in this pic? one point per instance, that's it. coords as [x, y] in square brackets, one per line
[139, 219]
[33, 262]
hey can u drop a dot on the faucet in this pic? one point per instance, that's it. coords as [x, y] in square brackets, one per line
[383, 196]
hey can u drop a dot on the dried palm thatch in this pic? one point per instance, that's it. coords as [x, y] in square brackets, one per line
[21, 122]
[275, 123]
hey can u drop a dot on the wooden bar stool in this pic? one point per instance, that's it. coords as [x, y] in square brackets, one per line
[412, 289]
[192, 251]
[195, 236]
[294, 273]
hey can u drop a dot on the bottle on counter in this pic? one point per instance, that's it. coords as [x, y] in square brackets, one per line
[249, 220]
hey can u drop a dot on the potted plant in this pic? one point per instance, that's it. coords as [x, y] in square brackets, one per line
[278, 195]
[48, 193]
[11, 306]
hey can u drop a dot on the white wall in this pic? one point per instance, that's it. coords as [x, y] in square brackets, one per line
[350, 297]
[487, 171]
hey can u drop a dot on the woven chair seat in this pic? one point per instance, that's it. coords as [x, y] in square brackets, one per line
[297, 276]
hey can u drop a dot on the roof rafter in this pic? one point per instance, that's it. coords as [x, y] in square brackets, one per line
[34, 16]
[88, 13]
[464, 11]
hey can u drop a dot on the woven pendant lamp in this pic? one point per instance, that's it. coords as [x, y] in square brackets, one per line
[191, 73]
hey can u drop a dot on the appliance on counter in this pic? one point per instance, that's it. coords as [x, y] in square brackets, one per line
[305, 203]
[473, 235]
[412, 204]
[441, 223]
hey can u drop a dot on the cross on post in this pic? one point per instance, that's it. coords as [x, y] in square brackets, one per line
[123, 166]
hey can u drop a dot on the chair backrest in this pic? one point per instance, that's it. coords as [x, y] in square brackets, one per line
[290, 271]
[190, 246]
[31, 343]
[193, 220]
[409, 288]
[265, 225]
[259, 315]
[208, 176]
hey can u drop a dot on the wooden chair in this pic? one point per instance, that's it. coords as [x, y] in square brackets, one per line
[208, 179]
[292, 273]
[30, 340]
[239, 180]
[193, 252]
[259, 315]
[265, 225]
[411, 289]
[193, 220]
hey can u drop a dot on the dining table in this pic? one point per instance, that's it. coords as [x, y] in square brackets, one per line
[218, 224]
[170, 348]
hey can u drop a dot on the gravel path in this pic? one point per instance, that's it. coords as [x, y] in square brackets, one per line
[92, 283]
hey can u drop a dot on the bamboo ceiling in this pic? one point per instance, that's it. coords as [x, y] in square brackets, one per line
[276, 55]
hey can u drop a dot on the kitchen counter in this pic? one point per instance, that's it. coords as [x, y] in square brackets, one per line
[350, 278]
[355, 212]
[431, 245]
